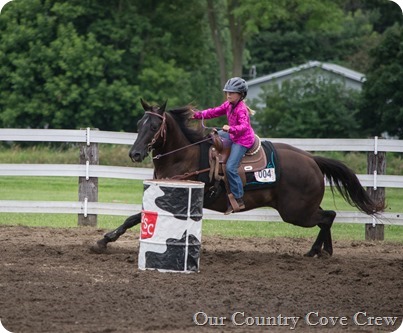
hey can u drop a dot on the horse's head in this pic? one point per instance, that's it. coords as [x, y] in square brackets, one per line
[150, 131]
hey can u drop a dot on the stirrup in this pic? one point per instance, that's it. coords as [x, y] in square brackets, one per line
[235, 205]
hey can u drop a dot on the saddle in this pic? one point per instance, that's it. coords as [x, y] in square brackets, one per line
[254, 160]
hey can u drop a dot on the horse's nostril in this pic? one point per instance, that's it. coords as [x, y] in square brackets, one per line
[135, 157]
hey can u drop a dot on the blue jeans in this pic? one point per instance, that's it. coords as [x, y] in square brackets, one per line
[234, 159]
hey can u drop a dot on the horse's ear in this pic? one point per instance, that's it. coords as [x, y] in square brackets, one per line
[162, 108]
[145, 105]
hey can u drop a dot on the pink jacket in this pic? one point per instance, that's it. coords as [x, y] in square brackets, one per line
[241, 131]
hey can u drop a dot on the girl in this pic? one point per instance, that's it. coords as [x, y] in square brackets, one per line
[238, 130]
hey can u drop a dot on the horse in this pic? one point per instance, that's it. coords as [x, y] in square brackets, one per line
[176, 145]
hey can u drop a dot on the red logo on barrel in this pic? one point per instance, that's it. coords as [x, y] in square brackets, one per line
[148, 223]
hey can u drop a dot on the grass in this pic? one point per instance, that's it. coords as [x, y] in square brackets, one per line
[64, 189]
[340, 231]
[63, 153]
[131, 191]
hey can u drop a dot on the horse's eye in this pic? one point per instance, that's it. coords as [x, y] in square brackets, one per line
[154, 128]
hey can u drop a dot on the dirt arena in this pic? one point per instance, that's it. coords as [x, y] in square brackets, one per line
[51, 282]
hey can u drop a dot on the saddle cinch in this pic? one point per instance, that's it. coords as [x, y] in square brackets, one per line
[254, 160]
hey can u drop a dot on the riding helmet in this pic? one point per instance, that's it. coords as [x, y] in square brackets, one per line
[236, 84]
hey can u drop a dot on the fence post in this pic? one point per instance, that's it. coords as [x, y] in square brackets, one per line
[376, 165]
[88, 186]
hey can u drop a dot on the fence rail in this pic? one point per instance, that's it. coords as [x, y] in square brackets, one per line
[95, 136]
[87, 171]
[99, 208]
[101, 171]
[75, 170]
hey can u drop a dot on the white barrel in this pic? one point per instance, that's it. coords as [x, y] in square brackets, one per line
[171, 225]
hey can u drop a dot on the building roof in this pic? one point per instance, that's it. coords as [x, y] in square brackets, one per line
[340, 70]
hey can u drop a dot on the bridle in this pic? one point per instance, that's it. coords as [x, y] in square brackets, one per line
[162, 131]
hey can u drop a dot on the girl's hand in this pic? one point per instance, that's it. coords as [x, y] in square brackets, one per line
[225, 128]
[193, 114]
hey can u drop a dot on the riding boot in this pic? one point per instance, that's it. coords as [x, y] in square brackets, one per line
[230, 209]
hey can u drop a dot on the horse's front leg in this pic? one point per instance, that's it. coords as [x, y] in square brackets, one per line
[113, 236]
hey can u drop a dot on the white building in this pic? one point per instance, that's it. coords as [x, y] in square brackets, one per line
[351, 79]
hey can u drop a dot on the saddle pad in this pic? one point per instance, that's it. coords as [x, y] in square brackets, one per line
[268, 176]
[251, 182]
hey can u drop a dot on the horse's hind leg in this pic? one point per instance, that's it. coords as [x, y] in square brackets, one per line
[113, 236]
[326, 218]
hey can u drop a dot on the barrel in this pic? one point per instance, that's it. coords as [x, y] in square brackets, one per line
[171, 225]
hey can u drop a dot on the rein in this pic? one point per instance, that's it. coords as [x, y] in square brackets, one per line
[162, 133]
[157, 157]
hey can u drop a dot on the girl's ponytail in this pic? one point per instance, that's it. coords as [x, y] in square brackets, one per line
[250, 111]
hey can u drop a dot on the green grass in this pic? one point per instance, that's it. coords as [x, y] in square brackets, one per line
[340, 231]
[64, 189]
[62, 153]
[131, 191]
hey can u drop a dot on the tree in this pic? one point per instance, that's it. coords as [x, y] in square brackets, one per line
[290, 43]
[56, 73]
[384, 13]
[308, 108]
[242, 20]
[71, 64]
[218, 38]
[382, 106]
[232, 22]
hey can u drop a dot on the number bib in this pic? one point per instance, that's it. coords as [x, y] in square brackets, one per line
[266, 175]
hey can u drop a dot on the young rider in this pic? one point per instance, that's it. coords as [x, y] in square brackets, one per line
[238, 130]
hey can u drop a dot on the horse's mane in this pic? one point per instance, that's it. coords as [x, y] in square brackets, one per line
[193, 129]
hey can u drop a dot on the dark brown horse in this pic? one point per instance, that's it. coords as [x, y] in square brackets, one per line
[175, 142]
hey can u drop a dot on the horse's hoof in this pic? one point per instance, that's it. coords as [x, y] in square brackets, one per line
[100, 247]
[314, 251]
[324, 255]
[311, 254]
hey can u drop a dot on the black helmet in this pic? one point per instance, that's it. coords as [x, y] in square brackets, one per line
[236, 84]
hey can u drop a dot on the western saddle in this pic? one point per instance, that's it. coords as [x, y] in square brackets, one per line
[254, 160]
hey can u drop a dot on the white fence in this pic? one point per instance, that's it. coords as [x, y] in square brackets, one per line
[94, 136]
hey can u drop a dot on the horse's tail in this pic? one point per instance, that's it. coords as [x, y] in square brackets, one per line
[348, 185]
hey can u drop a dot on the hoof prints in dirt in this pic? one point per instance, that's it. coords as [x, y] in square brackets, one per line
[51, 282]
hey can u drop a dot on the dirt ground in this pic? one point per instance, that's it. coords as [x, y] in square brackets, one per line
[51, 282]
